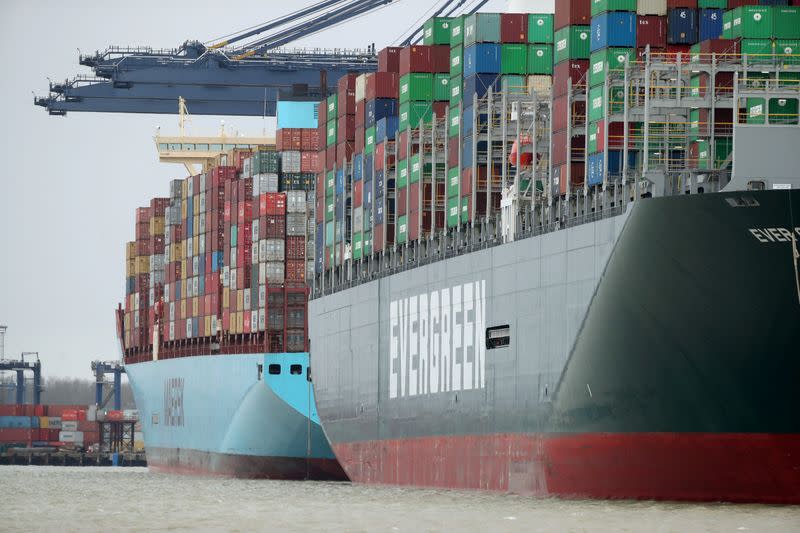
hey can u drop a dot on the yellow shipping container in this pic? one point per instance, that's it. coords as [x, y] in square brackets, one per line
[208, 326]
[183, 209]
[157, 226]
[196, 228]
[143, 264]
[196, 206]
[195, 246]
[130, 267]
[240, 322]
[195, 306]
[184, 193]
[183, 308]
[130, 250]
[44, 422]
[226, 298]
[239, 299]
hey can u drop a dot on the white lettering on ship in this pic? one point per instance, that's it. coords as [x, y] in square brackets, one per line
[173, 402]
[437, 341]
[772, 235]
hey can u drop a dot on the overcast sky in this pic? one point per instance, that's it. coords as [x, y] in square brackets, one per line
[70, 184]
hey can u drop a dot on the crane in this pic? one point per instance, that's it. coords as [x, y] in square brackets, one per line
[241, 74]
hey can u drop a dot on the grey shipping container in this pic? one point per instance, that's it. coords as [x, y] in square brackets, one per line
[275, 272]
[290, 162]
[275, 250]
[295, 202]
[295, 224]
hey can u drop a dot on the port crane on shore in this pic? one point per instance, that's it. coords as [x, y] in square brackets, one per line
[241, 74]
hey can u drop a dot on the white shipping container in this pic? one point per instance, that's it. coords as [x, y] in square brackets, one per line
[295, 201]
[361, 87]
[309, 270]
[167, 291]
[262, 319]
[650, 7]
[358, 219]
[202, 206]
[196, 285]
[255, 229]
[275, 272]
[276, 250]
[202, 227]
[190, 187]
[234, 258]
[295, 224]
[540, 85]
[69, 425]
[214, 325]
[247, 295]
[203, 179]
[130, 414]
[172, 331]
[268, 183]
[175, 189]
[73, 437]
[247, 168]
[91, 413]
[310, 248]
[54, 422]
[262, 296]
[262, 251]
[262, 272]
[290, 161]
[189, 328]
[233, 278]
[136, 301]
[253, 321]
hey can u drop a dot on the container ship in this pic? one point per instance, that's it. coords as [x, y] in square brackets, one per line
[557, 255]
[214, 324]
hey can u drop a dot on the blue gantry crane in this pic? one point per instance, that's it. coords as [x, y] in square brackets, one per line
[243, 74]
[20, 366]
[100, 369]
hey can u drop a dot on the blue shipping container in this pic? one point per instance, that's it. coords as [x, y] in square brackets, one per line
[297, 114]
[340, 207]
[201, 284]
[596, 162]
[217, 260]
[466, 121]
[366, 194]
[710, 24]
[467, 153]
[340, 182]
[386, 128]
[379, 174]
[682, 26]
[368, 167]
[377, 211]
[479, 85]
[482, 58]
[358, 170]
[380, 108]
[18, 422]
[613, 28]
[195, 327]
[319, 242]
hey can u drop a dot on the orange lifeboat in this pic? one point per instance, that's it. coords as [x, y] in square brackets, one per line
[526, 157]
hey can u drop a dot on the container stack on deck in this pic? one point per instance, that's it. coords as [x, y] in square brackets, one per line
[57, 426]
[222, 261]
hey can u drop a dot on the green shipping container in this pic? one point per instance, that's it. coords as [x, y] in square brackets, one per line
[597, 104]
[332, 131]
[464, 209]
[749, 22]
[367, 243]
[402, 173]
[724, 148]
[608, 60]
[788, 51]
[452, 211]
[330, 181]
[234, 235]
[358, 245]
[540, 59]
[514, 84]
[328, 234]
[457, 31]
[418, 170]
[456, 60]
[703, 155]
[592, 137]
[708, 4]
[455, 90]
[412, 114]
[757, 50]
[540, 28]
[333, 107]
[454, 127]
[514, 59]
[600, 6]
[441, 87]
[402, 229]
[756, 111]
[436, 31]
[453, 182]
[369, 141]
[783, 110]
[329, 209]
[572, 42]
[786, 22]
[482, 28]
[416, 87]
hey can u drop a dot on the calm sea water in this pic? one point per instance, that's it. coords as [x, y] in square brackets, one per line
[89, 499]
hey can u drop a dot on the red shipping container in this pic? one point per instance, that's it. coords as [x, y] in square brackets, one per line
[359, 142]
[577, 175]
[382, 85]
[322, 116]
[295, 247]
[681, 3]
[360, 117]
[452, 152]
[320, 210]
[413, 226]
[276, 203]
[416, 58]
[344, 153]
[310, 139]
[401, 195]
[514, 28]
[310, 162]
[295, 271]
[440, 57]
[346, 129]
[560, 147]
[358, 188]
[389, 59]
[733, 4]
[330, 157]
[616, 136]
[275, 226]
[402, 145]
[378, 241]
[575, 70]
[721, 47]
[413, 201]
[246, 322]
[572, 13]
[346, 104]
[143, 214]
[675, 50]
[439, 110]
[18, 435]
[159, 206]
[346, 83]
[651, 30]
[562, 114]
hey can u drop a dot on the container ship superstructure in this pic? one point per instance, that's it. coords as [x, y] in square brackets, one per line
[214, 324]
[560, 255]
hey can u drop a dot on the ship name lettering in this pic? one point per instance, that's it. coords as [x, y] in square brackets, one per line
[438, 341]
[772, 235]
[173, 402]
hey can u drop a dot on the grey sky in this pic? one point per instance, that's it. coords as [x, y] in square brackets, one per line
[70, 185]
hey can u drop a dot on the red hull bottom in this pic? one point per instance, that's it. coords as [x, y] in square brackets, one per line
[193, 462]
[732, 467]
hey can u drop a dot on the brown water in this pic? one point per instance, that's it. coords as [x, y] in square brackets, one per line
[42, 498]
